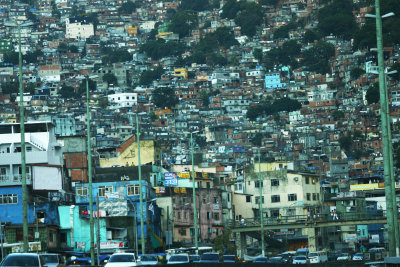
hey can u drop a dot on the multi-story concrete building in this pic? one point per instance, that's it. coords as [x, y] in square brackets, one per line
[122, 100]
[44, 178]
[78, 28]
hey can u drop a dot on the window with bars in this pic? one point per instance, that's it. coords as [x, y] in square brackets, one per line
[9, 199]
[292, 197]
[275, 198]
[105, 189]
[132, 189]
[274, 182]
[81, 190]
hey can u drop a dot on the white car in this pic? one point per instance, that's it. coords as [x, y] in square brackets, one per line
[358, 256]
[123, 259]
[343, 257]
[300, 260]
[178, 258]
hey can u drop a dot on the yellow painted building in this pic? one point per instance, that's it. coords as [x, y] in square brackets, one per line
[162, 35]
[131, 29]
[181, 72]
[127, 154]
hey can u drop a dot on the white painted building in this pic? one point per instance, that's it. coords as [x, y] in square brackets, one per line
[122, 100]
[78, 28]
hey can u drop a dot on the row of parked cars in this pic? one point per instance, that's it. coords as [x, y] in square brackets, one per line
[34, 260]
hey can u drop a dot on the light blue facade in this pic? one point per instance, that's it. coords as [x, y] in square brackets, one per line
[128, 207]
[273, 81]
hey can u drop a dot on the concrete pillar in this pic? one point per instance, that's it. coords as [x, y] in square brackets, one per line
[240, 243]
[312, 244]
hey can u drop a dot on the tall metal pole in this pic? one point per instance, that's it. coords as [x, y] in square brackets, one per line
[1, 239]
[140, 189]
[386, 140]
[89, 163]
[98, 229]
[196, 237]
[261, 206]
[23, 156]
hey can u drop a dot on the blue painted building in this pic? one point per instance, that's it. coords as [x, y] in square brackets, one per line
[273, 81]
[119, 211]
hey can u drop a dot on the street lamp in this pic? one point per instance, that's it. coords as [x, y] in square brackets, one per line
[89, 163]
[196, 240]
[260, 202]
[22, 132]
[392, 213]
[140, 188]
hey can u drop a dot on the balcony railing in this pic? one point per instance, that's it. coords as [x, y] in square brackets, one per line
[18, 177]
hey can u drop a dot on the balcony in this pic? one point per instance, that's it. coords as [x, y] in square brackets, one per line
[31, 157]
[16, 179]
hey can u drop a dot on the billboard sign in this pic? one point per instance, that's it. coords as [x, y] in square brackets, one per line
[170, 179]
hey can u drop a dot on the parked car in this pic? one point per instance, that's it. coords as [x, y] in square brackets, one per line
[210, 257]
[149, 259]
[78, 261]
[343, 257]
[23, 259]
[358, 256]
[54, 260]
[122, 259]
[333, 256]
[276, 260]
[261, 259]
[194, 258]
[230, 258]
[178, 258]
[300, 260]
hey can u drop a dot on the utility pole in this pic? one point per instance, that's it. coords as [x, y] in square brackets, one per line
[140, 189]
[261, 206]
[390, 193]
[23, 151]
[196, 237]
[98, 229]
[89, 163]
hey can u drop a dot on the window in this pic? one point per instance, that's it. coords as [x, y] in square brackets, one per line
[9, 199]
[182, 231]
[314, 180]
[274, 213]
[292, 197]
[274, 182]
[248, 199]
[317, 196]
[81, 191]
[257, 199]
[314, 196]
[257, 184]
[307, 180]
[105, 189]
[179, 215]
[216, 216]
[208, 215]
[275, 198]
[216, 200]
[208, 185]
[308, 196]
[132, 189]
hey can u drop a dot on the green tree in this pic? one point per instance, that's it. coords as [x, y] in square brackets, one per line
[337, 19]
[249, 18]
[316, 58]
[198, 5]
[356, 72]
[160, 48]
[230, 9]
[103, 103]
[253, 112]
[11, 57]
[110, 78]
[338, 115]
[33, 57]
[310, 36]
[148, 76]
[164, 97]
[269, 2]
[283, 32]
[10, 87]
[153, 117]
[183, 22]
[73, 49]
[67, 91]
[82, 87]
[257, 139]
[346, 142]
[395, 67]
[127, 8]
[372, 95]
[258, 54]
[223, 243]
